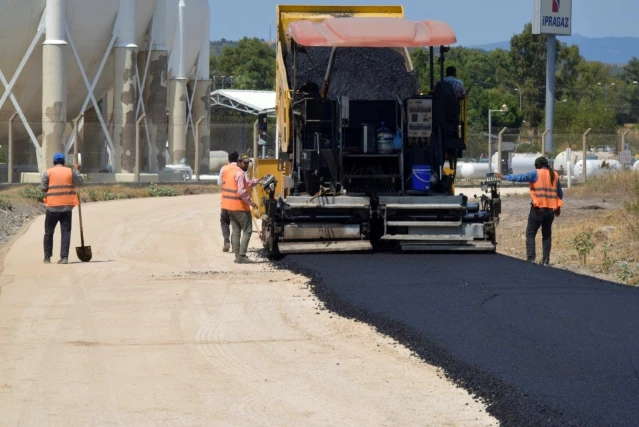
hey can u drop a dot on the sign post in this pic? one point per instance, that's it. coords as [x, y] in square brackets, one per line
[552, 18]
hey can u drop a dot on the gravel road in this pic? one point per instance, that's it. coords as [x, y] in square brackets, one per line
[544, 347]
[162, 328]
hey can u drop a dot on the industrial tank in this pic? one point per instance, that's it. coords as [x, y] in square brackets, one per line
[474, 170]
[196, 17]
[91, 23]
[91, 26]
[596, 167]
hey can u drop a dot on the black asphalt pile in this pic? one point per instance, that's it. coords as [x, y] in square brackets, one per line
[542, 347]
[359, 73]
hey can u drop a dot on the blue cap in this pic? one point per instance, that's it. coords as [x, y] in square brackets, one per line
[58, 157]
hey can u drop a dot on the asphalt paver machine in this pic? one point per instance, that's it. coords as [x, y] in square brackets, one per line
[363, 159]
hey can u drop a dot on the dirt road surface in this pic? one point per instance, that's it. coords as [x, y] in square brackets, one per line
[163, 329]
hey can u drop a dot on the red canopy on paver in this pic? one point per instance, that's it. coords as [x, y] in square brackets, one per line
[372, 32]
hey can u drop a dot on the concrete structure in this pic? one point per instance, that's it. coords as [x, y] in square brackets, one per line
[85, 54]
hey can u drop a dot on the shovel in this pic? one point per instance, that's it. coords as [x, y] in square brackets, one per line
[84, 252]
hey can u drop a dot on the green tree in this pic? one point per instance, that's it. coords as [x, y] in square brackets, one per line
[251, 62]
[529, 61]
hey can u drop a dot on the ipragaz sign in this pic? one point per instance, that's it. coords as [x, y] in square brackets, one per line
[552, 17]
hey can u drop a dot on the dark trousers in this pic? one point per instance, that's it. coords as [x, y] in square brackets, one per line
[539, 218]
[50, 222]
[225, 223]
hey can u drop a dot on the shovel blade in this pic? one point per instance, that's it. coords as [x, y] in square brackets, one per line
[84, 253]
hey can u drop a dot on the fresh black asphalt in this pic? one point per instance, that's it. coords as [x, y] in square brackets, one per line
[542, 346]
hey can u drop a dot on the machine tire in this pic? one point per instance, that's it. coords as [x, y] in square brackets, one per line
[269, 242]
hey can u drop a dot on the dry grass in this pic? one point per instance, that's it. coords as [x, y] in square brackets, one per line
[614, 234]
[29, 194]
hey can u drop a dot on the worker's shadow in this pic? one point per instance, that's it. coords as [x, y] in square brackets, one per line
[90, 262]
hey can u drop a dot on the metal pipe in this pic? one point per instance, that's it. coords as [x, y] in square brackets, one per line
[551, 65]
[138, 145]
[543, 142]
[10, 150]
[125, 89]
[178, 97]
[499, 145]
[155, 89]
[54, 82]
[197, 148]
[76, 137]
[181, 66]
[329, 71]
[432, 67]
[585, 168]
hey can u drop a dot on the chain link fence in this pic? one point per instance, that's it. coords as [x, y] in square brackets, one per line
[234, 131]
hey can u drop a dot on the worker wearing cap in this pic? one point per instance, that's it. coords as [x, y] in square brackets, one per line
[225, 220]
[547, 199]
[58, 184]
[237, 201]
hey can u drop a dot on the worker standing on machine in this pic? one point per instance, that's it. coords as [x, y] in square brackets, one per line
[225, 221]
[458, 85]
[58, 184]
[237, 201]
[547, 200]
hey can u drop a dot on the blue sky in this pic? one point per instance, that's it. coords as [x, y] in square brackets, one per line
[474, 21]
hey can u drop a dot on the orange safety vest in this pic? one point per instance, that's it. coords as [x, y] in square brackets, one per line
[60, 191]
[231, 200]
[544, 192]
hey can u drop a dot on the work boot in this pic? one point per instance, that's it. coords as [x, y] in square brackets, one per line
[545, 262]
[63, 261]
[243, 260]
[227, 247]
[47, 260]
[531, 260]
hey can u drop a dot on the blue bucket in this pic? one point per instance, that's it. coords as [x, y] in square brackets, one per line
[421, 177]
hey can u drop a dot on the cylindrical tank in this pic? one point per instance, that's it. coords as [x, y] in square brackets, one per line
[217, 159]
[91, 26]
[520, 162]
[474, 170]
[560, 161]
[597, 167]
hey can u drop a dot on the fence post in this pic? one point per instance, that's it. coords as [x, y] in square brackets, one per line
[198, 161]
[76, 138]
[584, 162]
[623, 140]
[543, 142]
[138, 156]
[499, 145]
[10, 150]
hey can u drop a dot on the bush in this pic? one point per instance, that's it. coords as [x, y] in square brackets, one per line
[583, 243]
[155, 190]
[5, 204]
[31, 192]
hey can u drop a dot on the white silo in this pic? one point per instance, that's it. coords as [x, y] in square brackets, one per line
[54, 51]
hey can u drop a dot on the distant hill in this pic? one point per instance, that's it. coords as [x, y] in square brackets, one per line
[609, 50]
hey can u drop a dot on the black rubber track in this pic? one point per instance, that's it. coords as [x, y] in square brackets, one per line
[542, 346]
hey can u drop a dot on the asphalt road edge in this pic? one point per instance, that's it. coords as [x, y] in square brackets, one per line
[507, 404]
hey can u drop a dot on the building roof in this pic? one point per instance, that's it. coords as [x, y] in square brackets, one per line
[247, 101]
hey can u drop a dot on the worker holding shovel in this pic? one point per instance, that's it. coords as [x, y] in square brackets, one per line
[59, 184]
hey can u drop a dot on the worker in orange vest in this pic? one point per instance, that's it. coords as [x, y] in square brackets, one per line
[59, 184]
[547, 199]
[225, 220]
[237, 201]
